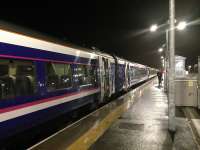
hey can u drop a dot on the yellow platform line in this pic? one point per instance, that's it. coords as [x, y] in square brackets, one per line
[90, 137]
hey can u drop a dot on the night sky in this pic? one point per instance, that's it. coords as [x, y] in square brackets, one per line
[117, 27]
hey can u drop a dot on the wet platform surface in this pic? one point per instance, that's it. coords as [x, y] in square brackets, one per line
[83, 133]
[145, 127]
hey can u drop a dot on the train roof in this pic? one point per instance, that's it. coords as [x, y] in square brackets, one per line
[38, 35]
[25, 37]
[16, 35]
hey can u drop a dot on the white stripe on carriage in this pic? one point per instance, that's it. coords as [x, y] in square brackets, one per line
[29, 109]
[27, 41]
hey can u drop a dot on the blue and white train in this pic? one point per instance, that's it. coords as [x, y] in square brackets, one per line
[40, 80]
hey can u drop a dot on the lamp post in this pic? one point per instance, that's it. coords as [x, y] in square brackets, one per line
[166, 85]
[171, 97]
[169, 61]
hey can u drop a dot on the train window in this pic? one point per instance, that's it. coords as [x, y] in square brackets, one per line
[132, 74]
[87, 75]
[17, 78]
[59, 76]
[83, 75]
[93, 75]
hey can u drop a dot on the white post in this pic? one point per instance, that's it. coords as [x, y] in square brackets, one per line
[171, 65]
[198, 82]
[166, 62]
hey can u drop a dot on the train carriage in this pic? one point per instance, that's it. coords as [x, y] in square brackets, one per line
[40, 80]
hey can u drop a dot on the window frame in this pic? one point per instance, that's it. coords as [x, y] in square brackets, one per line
[92, 74]
[62, 88]
[34, 75]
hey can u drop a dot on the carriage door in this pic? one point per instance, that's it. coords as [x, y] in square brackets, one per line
[104, 78]
[126, 76]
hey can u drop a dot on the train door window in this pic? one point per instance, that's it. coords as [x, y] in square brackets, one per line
[59, 76]
[106, 78]
[132, 73]
[93, 75]
[137, 73]
[17, 78]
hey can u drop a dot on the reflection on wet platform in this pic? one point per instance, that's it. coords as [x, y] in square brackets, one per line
[145, 127]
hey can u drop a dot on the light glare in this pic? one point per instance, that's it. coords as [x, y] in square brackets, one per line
[160, 50]
[182, 25]
[153, 28]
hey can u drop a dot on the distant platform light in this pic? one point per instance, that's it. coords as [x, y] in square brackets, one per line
[153, 28]
[182, 25]
[160, 50]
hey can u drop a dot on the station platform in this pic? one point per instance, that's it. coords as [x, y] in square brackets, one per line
[145, 127]
[137, 120]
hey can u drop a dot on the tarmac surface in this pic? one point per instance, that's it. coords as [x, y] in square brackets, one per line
[145, 127]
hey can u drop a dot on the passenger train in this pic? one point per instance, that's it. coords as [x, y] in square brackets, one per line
[41, 79]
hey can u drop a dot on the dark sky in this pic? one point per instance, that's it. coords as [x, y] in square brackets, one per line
[114, 26]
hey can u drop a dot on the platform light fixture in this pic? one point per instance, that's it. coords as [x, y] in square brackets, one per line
[160, 50]
[153, 28]
[181, 25]
[170, 49]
